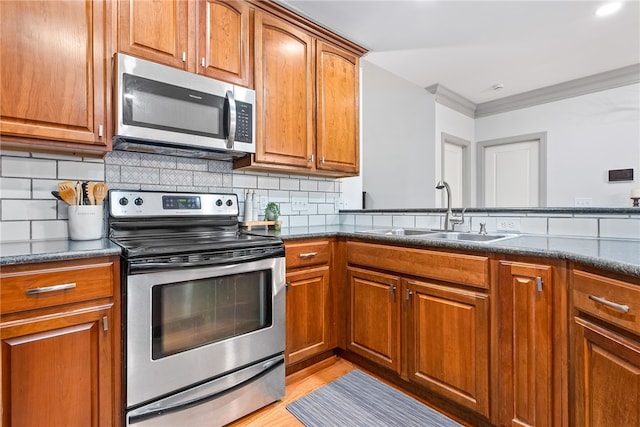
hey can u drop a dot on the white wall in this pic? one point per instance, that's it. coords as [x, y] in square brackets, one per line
[586, 136]
[398, 141]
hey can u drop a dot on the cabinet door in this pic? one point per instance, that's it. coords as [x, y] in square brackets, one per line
[374, 317]
[338, 109]
[156, 30]
[56, 371]
[308, 313]
[524, 339]
[607, 377]
[52, 82]
[448, 342]
[223, 41]
[284, 78]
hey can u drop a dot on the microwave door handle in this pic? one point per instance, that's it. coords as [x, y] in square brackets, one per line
[232, 119]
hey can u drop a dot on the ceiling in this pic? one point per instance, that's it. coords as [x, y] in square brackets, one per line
[470, 46]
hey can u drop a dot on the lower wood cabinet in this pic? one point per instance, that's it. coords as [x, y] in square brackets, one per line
[606, 350]
[60, 344]
[447, 342]
[310, 320]
[308, 313]
[525, 393]
[374, 317]
[434, 333]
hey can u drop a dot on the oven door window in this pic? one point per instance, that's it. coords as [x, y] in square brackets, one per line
[194, 313]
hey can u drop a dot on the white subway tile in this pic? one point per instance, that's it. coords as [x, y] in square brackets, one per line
[51, 156]
[299, 221]
[326, 208]
[326, 186]
[347, 219]
[4, 152]
[19, 210]
[308, 185]
[81, 171]
[15, 188]
[23, 167]
[404, 221]
[620, 228]
[424, 221]
[42, 188]
[318, 197]
[364, 220]
[268, 183]
[244, 181]
[288, 184]
[278, 196]
[317, 220]
[382, 221]
[587, 227]
[11, 231]
[533, 225]
[491, 223]
[41, 230]
[332, 219]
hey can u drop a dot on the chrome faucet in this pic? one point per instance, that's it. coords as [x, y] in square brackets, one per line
[450, 220]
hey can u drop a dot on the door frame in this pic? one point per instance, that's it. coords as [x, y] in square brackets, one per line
[481, 146]
[466, 165]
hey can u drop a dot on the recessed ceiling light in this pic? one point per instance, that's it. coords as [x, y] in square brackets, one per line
[608, 8]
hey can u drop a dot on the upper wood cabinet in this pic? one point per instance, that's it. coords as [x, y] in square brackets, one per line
[284, 77]
[307, 93]
[209, 37]
[54, 89]
[338, 109]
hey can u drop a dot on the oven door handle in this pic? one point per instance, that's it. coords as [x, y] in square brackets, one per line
[205, 392]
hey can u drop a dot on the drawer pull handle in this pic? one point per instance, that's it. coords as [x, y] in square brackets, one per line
[308, 255]
[46, 289]
[618, 307]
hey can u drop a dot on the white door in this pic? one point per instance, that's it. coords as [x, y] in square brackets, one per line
[511, 175]
[453, 173]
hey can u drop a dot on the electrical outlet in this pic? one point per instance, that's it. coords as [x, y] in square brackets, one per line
[583, 202]
[298, 204]
[508, 224]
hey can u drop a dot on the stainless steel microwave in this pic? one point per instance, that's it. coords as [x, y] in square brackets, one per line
[166, 110]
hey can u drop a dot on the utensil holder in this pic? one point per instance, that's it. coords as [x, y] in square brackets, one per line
[85, 222]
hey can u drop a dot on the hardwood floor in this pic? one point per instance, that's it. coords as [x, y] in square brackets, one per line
[298, 385]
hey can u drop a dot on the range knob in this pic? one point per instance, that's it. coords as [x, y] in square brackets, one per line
[123, 201]
[138, 201]
[219, 202]
[229, 202]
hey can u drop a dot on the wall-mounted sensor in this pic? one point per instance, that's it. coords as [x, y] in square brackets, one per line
[617, 175]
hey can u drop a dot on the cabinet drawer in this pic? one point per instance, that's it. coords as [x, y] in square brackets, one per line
[307, 253]
[46, 287]
[609, 299]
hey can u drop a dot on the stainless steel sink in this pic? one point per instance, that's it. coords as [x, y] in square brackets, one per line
[400, 231]
[441, 235]
[471, 237]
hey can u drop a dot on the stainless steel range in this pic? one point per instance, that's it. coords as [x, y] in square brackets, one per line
[204, 309]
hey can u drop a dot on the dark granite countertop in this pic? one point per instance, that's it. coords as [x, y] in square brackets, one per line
[54, 250]
[616, 255]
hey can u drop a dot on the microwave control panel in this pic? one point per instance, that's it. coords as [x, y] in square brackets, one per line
[244, 121]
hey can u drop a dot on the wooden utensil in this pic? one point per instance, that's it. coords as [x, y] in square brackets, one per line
[100, 192]
[90, 196]
[67, 193]
[79, 193]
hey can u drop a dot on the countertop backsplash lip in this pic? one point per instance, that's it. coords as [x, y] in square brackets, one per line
[532, 210]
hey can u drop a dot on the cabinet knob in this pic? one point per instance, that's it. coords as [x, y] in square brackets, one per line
[311, 158]
[184, 56]
[407, 294]
[202, 62]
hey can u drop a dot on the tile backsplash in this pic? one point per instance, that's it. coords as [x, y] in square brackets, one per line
[29, 211]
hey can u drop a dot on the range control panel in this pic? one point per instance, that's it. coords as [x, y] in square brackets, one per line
[125, 203]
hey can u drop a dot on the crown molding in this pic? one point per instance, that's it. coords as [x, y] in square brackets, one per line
[594, 83]
[452, 100]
